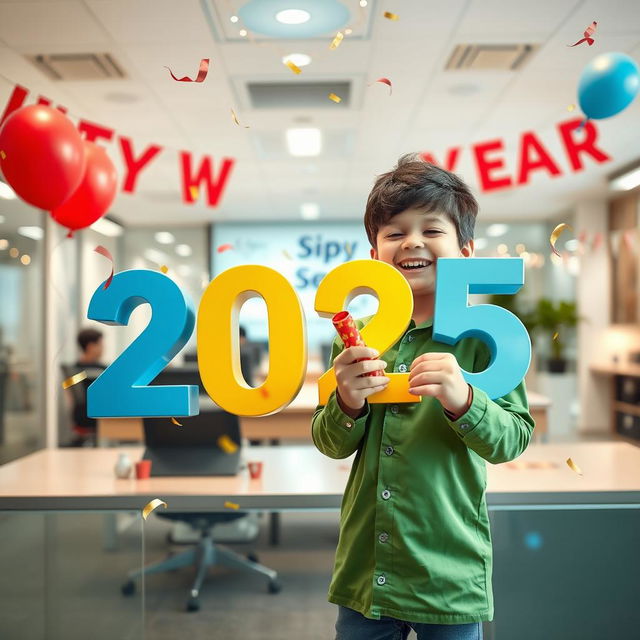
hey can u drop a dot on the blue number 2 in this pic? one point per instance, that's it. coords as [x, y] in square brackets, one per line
[500, 329]
[121, 389]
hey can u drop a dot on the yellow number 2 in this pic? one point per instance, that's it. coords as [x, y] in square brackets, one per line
[395, 307]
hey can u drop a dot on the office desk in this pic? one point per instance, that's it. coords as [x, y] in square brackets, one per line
[301, 478]
[293, 423]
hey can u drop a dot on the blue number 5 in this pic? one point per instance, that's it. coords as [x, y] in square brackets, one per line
[121, 389]
[503, 332]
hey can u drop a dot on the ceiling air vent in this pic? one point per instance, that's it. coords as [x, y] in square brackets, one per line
[490, 57]
[77, 66]
[298, 95]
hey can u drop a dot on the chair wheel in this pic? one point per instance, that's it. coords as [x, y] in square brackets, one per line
[253, 557]
[274, 586]
[193, 604]
[128, 588]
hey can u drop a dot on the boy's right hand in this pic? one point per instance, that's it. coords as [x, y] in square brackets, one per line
[352, 388]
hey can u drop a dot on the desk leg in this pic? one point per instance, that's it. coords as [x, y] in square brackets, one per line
[274, 518]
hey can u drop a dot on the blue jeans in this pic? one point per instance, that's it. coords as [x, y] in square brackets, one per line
[352, 625]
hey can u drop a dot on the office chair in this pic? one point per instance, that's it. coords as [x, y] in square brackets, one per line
[205, 430]
[83, 435]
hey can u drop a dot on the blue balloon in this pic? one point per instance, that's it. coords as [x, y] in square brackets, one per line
[608, 84]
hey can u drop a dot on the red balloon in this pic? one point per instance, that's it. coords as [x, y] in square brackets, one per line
[42, 155]
[95, 194]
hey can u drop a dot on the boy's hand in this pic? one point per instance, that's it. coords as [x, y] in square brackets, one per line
[438, 375]
[353, 389]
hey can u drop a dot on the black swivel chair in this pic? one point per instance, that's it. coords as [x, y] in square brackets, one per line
[185, 454]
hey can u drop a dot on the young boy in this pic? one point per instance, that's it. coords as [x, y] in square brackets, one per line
[415, 547]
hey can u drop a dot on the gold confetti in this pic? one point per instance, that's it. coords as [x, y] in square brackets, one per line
[573, 466]
[150, 506]
[391, 16]
[231, 505]
[227, 444]
[336, 41]
[175, 422]
[74, 379]
[571, 107]
[295, 68]
[555, 234]
[235, 119]
[286, 254]
[555, 335]
[335, 98]
[164, 268]
[3, 155]
[194, 192]
[224, 247]
[263, 392]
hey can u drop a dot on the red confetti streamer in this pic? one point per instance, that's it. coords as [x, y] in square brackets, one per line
[348, 331]
[387, 82]
[224, 247]
[107, 254]
[202, 72]
[589, 31]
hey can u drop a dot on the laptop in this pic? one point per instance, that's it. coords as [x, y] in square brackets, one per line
[192, 449]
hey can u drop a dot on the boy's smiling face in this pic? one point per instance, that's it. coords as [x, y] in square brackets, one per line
[412, 242]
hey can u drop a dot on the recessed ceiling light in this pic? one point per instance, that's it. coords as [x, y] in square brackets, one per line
[107, 227]
[4, 243]
[7, 192]
[497, 230]
[363, 3]
[304, 142]
[13, 252]
[480, 244]
[243, 32]
[299, 59]
[310, 210]
[153, 255]
[164, 237]
[35, 233]
[626, 181]
[234, 19]
[25, 259]
[348, 32]
[293, 16]
[184, 250]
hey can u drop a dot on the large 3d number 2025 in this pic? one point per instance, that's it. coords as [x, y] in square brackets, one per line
[121, 390]
[500, 329]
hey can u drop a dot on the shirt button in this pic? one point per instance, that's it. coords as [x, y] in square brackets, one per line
[348, 425]
[402, 368]
[464, 425]
[389, 451]
[394, 408]
[383, 537]
[381, 580]
[386, 494]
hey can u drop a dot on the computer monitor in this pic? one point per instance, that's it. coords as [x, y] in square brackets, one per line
[195, 448]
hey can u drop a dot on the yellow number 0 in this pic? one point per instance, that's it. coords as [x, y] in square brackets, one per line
[395, 307]
[218, 342]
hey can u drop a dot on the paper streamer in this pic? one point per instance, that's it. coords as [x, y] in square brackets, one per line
[336, 41]
[74, 379]
[555, 234]
[385, 81]
[294, 67]
[224, 247]
[103, 251]
[588, 32]
[335, 98]
[227, 444]
[573, 466]
[348, 332]
[202, 72]
[235, 119]
[164, 268]
[151, 506]
[175, 422]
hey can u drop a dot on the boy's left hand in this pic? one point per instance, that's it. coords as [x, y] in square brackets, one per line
[439, 375]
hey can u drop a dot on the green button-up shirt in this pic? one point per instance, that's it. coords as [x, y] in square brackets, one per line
[414, 539]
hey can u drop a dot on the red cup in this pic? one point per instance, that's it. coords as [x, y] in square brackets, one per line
[255, 470]
[143, 469]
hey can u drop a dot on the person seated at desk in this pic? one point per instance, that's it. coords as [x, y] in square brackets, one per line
[91, 347]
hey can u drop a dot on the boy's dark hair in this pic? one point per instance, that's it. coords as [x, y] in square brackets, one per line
[414, 183]
[88, 336]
